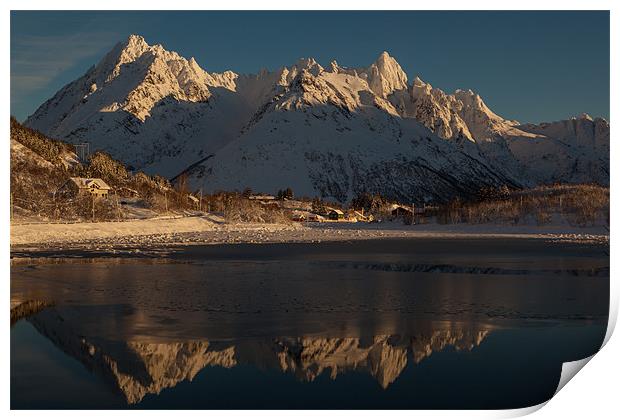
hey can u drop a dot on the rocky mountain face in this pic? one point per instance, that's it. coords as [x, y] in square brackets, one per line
[331, 132]
[138, 368]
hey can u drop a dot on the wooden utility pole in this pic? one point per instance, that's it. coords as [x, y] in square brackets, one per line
[56, 215]
[166, 199]
[93, 196]
[200, 201]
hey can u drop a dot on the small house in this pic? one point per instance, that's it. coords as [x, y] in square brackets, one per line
[74, 186]
[335, 214]
[299, 217]
[402, 211]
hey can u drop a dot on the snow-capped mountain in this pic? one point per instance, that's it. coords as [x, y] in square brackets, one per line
[328, 135]
[146, 106]
[331, 132]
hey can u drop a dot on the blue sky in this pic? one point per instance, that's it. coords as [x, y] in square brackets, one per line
[529, 66]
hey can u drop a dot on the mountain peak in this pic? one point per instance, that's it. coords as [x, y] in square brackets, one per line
[384, 56]
[123, 53]
[418, 82]
[465, 93]
[386, 60]
[584, 116]
[135, 39]
[470, 99]
[385, 75]
[134, 46]
[135, 76]
[308, 64]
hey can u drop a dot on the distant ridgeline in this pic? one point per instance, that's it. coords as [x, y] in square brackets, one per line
[332, 132]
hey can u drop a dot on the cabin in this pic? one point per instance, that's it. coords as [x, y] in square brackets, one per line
[402, 211]
[299, 217]
[335, 214]
[75, 186]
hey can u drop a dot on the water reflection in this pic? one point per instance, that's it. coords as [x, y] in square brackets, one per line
[390, 324]
[138, 368]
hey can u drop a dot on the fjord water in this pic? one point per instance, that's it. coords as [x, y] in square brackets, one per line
[425, 323]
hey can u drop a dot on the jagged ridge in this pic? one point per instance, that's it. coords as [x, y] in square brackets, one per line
[332, 132]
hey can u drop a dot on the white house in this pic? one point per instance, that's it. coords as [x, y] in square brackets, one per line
[93, 186]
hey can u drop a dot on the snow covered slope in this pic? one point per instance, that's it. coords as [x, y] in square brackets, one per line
[332, 131]
[147, 107]
[574, 150]
[329, 136]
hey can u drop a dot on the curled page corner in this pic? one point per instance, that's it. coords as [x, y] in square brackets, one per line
[611, 322]
[520, 412]
[570, 369]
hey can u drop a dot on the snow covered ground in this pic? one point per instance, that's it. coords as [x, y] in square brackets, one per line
[210, 229]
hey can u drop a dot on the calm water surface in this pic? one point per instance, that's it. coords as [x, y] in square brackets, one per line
[369, 324]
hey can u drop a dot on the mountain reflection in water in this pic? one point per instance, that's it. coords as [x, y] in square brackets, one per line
[396, 324]
[137, 368]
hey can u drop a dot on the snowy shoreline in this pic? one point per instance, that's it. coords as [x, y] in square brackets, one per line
[204, 230]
